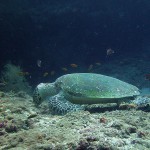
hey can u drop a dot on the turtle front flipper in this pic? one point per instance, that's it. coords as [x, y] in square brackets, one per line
[59, 105]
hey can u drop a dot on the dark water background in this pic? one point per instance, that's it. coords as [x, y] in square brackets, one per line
[61, 32]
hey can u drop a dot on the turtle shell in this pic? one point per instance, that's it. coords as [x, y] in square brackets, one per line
[90, 88]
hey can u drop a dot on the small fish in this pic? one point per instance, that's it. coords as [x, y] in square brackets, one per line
[64, 69]
[109, 51]
[74, 65]
[147, 76]
[52, 73]
[23, 73]
[90, 67]
[39, 63]
[98, 64]
[45, 74]
[27, 73]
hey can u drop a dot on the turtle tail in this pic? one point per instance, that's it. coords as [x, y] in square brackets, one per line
[59, 105]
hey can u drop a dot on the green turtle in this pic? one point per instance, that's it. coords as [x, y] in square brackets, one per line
[69, 91]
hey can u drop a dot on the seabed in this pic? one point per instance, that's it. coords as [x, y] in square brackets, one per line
[26, 127]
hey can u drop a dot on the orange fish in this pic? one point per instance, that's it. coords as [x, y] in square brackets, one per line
[64, 69]
[90, 67]
[45, 74]
[52, 73]
[74, 65]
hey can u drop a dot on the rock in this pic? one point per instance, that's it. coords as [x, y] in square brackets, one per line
[11, 128]
[2, 94]
[32, 115]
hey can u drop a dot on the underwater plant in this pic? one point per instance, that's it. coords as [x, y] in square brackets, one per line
[13, 80]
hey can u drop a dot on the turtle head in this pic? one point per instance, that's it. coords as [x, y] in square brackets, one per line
[42, 91]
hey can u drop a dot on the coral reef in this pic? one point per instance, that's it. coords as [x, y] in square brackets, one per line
[13, 78]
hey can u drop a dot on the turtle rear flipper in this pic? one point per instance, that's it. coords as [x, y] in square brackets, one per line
[59, 105]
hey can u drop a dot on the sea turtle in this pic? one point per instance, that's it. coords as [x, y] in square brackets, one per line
[70, 90]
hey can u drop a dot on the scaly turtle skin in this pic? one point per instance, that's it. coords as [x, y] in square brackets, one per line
[68, 91]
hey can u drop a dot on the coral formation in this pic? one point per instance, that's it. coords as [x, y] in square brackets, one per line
[13, 79]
